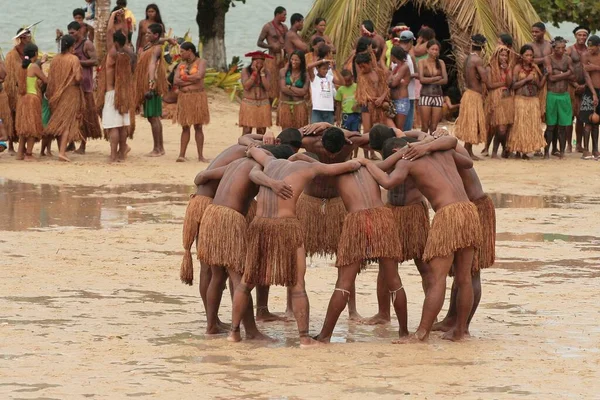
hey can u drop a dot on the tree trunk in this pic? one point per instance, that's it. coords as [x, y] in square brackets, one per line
[102, 14]
[211, 24]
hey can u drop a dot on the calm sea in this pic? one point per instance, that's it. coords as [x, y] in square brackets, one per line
[243, 22]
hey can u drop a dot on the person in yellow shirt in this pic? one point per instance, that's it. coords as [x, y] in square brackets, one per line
[129, 18]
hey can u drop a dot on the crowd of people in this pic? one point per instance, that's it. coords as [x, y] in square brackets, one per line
[82, 97]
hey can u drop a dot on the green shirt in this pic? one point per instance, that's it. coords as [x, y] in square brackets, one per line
[345, 94]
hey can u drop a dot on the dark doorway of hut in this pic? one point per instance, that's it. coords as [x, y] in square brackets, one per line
[415, 17]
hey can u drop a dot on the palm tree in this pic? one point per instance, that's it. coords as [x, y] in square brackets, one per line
[464, 17]
[211, 24]
[102, 14]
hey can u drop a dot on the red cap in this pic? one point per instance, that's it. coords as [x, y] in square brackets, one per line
[258, 55]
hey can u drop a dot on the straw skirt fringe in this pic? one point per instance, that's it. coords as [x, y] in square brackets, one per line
[67, 116]
[485, 256]
[191, 224]
[271, 251]
[222, 238]
[470, 125]
[454, 227]
[29, 117]
[255, 113]
[192, 109]
[412, 222]
[526, 134]
[322, 220]
[91, 123]
[6, 114]
[368, 235]
[292, 115]
[500, 110]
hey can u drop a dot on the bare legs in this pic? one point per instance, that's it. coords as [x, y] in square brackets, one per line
[25, 149]
[62, 148]
[185, 140]
[430, 118]
[463, 262]
[262, 306]
[550, 136]
[46, 149]
[118, 143]
[469, 148]
[383, 303]
[499, 139]
[157, 137]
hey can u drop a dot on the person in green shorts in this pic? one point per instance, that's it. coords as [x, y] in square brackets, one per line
[559, 111]
[151, 84]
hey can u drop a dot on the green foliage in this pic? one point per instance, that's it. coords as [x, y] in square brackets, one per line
[582, 12]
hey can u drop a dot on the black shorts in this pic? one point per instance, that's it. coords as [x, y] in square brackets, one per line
[587, 106]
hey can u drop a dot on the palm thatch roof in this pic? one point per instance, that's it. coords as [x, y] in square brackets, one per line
[464, 17]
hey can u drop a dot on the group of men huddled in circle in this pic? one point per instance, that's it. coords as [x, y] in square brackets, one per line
[260, 210]
[401, 83]
[83, 97]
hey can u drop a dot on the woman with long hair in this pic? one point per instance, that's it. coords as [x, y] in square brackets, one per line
[293, 80]
[500, 102]
[152, 17]
[65, 97]
[526, 135]
[28, 120]
[432, 75]
[320, 26]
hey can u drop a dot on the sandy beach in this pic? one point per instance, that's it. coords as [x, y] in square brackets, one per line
[91, 305]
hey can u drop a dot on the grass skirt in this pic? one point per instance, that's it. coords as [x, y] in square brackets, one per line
[222, 238]
[67, 116]
[29, 117]
[191, 224]
[251, 211]
[322, 221]
[271, 251]
[412, 222]
[454, 227]
[192, 109]
[486, 254]
[91, 123]
[368, 235]
[6, 115]
[470, 125]
[292, 114]
[255, 113]
[500, 110]
[526, 134]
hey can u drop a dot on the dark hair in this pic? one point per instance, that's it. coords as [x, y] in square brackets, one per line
[594, 40]
[426, 33]
[363, 44]
[346, 73]
[322, 51]
[524, 48]
[29, 51]
[300, 54]
[539, 25]
[156, 29]
[362, 58]
[368, 24]
[378, 134]
[74, 26]
[119, 37]
[333, 139]
[311, 155]
[478, 41]
[507, 39]
[431, 43]
[66, 42]
[291, 137]
[122, 3]
[189, 46]
[317, 40]
[296, 18]
[319, 20]
[557, 40]
[279, 151]
[154, 7]
[279, 10]
[79, 12]
[395, 143]
[399, 53]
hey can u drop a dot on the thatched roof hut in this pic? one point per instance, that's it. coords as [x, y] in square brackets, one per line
[453, 20]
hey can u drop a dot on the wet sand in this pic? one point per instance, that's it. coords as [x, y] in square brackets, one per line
[91, 304]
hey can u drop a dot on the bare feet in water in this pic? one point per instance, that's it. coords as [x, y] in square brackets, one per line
[216, 330]
[258, 336]
[355, 316]
[377, 319]
[454, 335]
[234, 336]
[443, 326]
[223, 325]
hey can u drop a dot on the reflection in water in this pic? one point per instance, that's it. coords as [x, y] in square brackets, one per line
[507, 200]
[27, 206]
[544, 237]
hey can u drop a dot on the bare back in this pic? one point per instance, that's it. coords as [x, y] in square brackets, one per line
[405, 194]
[297, 174]
[472, 75]
[227, 156]
[437, 177]
[235, 189]
[359, 190]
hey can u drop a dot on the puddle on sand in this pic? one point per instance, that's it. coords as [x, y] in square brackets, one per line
[27, 206]
[507, 200]
[544, 237]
